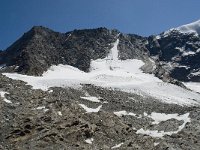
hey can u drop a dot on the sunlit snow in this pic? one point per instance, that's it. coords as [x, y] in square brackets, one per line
[90, 110]
[193, 27]
[2, 94]
[91, 98]
[195, 86]
[124, 113]
[117, 146]
[124, 75]
[159, 117]
[89, 141]
[160, 134]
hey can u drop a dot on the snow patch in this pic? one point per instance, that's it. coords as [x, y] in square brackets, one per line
[186, 53]
[59, 113]
[92, 99]
[90, 110]
[42, 108]
[89, 141]
[160, 134]
[124, 113]
[117, 146]
[156, 143]
[159, 117]
[2, 94]
[197, 73]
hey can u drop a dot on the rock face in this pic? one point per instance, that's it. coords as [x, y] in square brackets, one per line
[177, 52]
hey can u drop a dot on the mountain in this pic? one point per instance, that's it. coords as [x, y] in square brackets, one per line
[40, 48]
[178, 50]
[101, 89]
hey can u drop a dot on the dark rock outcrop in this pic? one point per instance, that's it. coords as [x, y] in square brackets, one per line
[177, 52]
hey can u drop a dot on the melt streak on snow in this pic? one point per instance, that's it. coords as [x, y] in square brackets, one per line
[124, 75]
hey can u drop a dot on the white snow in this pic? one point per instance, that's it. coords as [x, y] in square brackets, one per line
[50, 91]
[124, 113]
[193, 27]
[186, 53]
[117, 146]
[181, 49]
[92, 99]
[42, 108]
[156, 143]
[124, 75]
[195, 86]
[159, 117]
[59, 113]
[160, 134]
[90, 110]
[2, 94]
[197, 73]
[89, 141]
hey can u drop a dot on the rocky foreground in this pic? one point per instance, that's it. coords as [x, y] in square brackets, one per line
[92, 118]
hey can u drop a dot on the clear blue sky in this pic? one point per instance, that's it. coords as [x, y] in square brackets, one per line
[144, 17]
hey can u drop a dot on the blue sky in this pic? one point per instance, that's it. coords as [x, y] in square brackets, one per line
[144, 17]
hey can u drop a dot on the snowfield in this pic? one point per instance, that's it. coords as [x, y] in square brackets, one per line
[195, 86]
[124, 75]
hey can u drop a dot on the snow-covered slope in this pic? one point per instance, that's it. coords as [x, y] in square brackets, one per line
[193, 27]
[111, 72]
[195, 86]
[190, 28]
